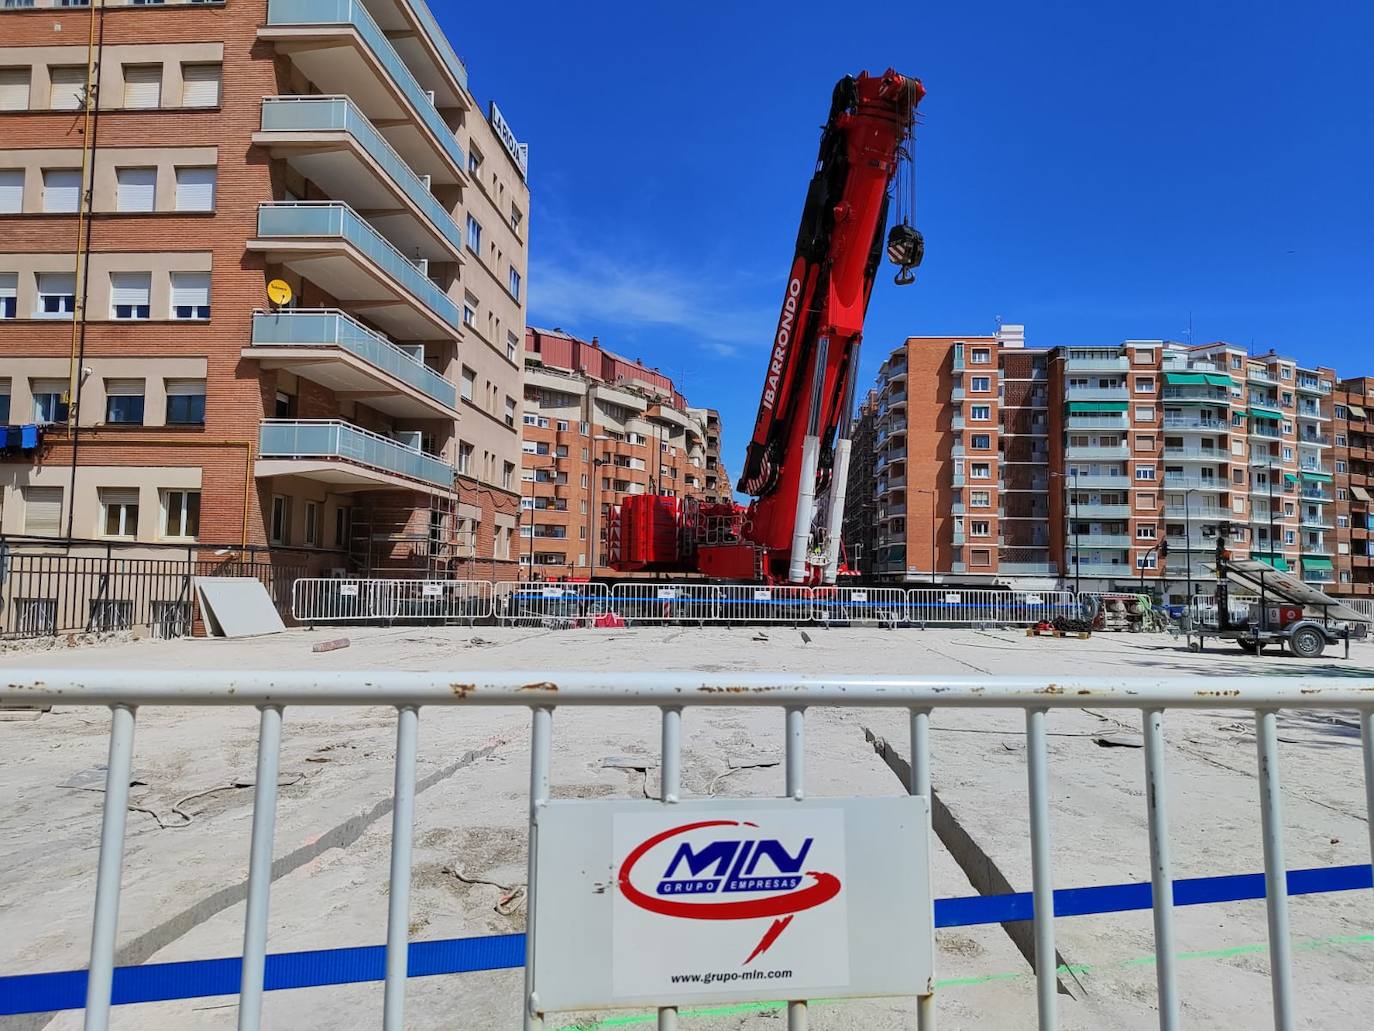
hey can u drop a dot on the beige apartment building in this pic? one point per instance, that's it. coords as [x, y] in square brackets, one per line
[997, 464]
[153, 184]
[598, 427]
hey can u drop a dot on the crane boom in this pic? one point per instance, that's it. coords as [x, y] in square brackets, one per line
[797, 458]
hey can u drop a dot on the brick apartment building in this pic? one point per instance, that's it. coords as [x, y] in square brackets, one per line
[596, 428]
[999, 464]
[718, 488]
[371, 421]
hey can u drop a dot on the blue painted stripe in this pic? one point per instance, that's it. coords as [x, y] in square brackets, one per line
[159, 982]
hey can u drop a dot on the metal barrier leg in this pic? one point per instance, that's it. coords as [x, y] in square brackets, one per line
[1042, 883]
[541, 740]
[1275, 870]
[796, 788]
[105, 924]
[398, 896]
[260, 869]
[1367, 735]
[669, 788]
[920, 785]
[1161, 877]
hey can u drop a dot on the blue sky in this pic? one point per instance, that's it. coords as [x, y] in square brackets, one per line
[1098, 171]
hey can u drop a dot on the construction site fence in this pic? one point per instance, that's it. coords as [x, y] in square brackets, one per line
[326, 600]
[679, 698]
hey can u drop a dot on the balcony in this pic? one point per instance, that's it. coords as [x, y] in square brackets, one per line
[1096, 394]
[1187, 423]
[1258, 375]
[1312, 494]
[1106, 363]
[1107, 569]
[1315, 522]
[1264, 431]
[1120, 482]
[1100, 540]
[1313, 439]
[328, 347]
[892, 483]
[1098, 421]
[1312, 414]
[1091, 510]
[1196, 396]
[346, 457]
[1202, 513]
[339, 47]
[329, 141]
[1310, 385]
[1203, 483]
[1197, 454]
[956, 393]
[1118, 453]
[330, 244]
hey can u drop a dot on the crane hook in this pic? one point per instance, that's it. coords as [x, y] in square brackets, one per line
[905, 248]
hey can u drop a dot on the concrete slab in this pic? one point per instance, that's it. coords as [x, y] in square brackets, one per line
[184, 880]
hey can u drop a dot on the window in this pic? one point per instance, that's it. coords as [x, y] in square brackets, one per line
[195, 189]
[190, 295]
[1145, 533]
[510, 411]
[1145, 501]
[981, 441]
[1342, 521]
[979, 528]
[343, 525]
[469, 315]
[280, 530]
[142, 85]
[1340, 466]
[1340, 440]
[507, 474]
[1147, 561]
[980, 470]
[14, 89]
[68, 91]
[980, 356]
[11, 191]
[469, 383]
[1144, 472]
[181, 513]
[1144, 356]
[980, 384]
[474, 160]
[1144, 384]
[124, 401]
[464, 458]
[312, 523]
[49, 400]
[185, 402]
[119, 511]
[135, 189]
[61, 189]
[517, 217]
[474, 235]
[1285, 372]
[513, 282]
[980, 413]
[1288, 454]
[200, 85]
[129, 293]
[43, 511]
[4, 401]
[9, 295]
[1144, 415]
[513, 348]
[980, 557]
[1342, 412]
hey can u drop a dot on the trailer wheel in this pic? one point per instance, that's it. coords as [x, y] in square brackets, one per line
[1307, 643]
[1248, 647]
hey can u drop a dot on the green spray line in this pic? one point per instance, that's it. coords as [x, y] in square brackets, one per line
[980, 979]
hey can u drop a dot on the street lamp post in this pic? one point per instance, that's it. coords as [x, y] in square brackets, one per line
[529, 551]
[1188, 542]
[1077, 564]
[593, 507]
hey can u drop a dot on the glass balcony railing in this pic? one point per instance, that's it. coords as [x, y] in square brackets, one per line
[315, 219]
[339, 114]
[1090, 510]
[1118, 452]
[291, 438]
[426, 18]
[327, 327]
[353, 13]
[1097, 394]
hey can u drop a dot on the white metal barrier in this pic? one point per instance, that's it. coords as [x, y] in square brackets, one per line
[337, 601]
[647, 602]
[748, 603]
[542, 691]
[534, 602]
[1004, 608]
[881, 606]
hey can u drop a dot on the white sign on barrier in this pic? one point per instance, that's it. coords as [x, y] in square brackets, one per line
[954, 599]
[432, 590]
[667, 592]
[552, 592]
[1034, 599]
[348, 590]
[715, 900]
[858, 596]
[763, 594]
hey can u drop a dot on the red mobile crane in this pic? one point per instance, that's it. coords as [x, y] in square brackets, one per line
[798, 458]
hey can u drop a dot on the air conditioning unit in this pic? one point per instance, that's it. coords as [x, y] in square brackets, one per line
[430, 93]
[409, 438]
[425, 179]
[423, 265]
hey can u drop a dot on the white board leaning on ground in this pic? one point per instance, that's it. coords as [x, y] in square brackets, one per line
[237, 606]
[645, 904]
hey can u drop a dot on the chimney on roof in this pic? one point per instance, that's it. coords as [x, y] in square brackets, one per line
[596, 341]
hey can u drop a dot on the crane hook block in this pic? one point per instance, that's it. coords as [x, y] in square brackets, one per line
[905, 248]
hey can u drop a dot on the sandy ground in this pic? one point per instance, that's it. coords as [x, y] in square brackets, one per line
[183, 881]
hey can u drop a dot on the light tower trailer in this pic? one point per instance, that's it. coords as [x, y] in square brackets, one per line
[1286, 612]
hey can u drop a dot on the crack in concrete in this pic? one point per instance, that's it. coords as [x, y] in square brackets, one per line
[343, 835]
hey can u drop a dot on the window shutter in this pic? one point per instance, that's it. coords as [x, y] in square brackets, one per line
[200, 85]
[11, 191]
[137, 189]
[143, 85]
[195, 189]
[68, 87]
[191, 288]
[61, 189]
[112, 496]
[186, 387]
[60, 283]
[14, 89]
[43, 510]
[9, 285]
[124, 387]
[129, 287]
